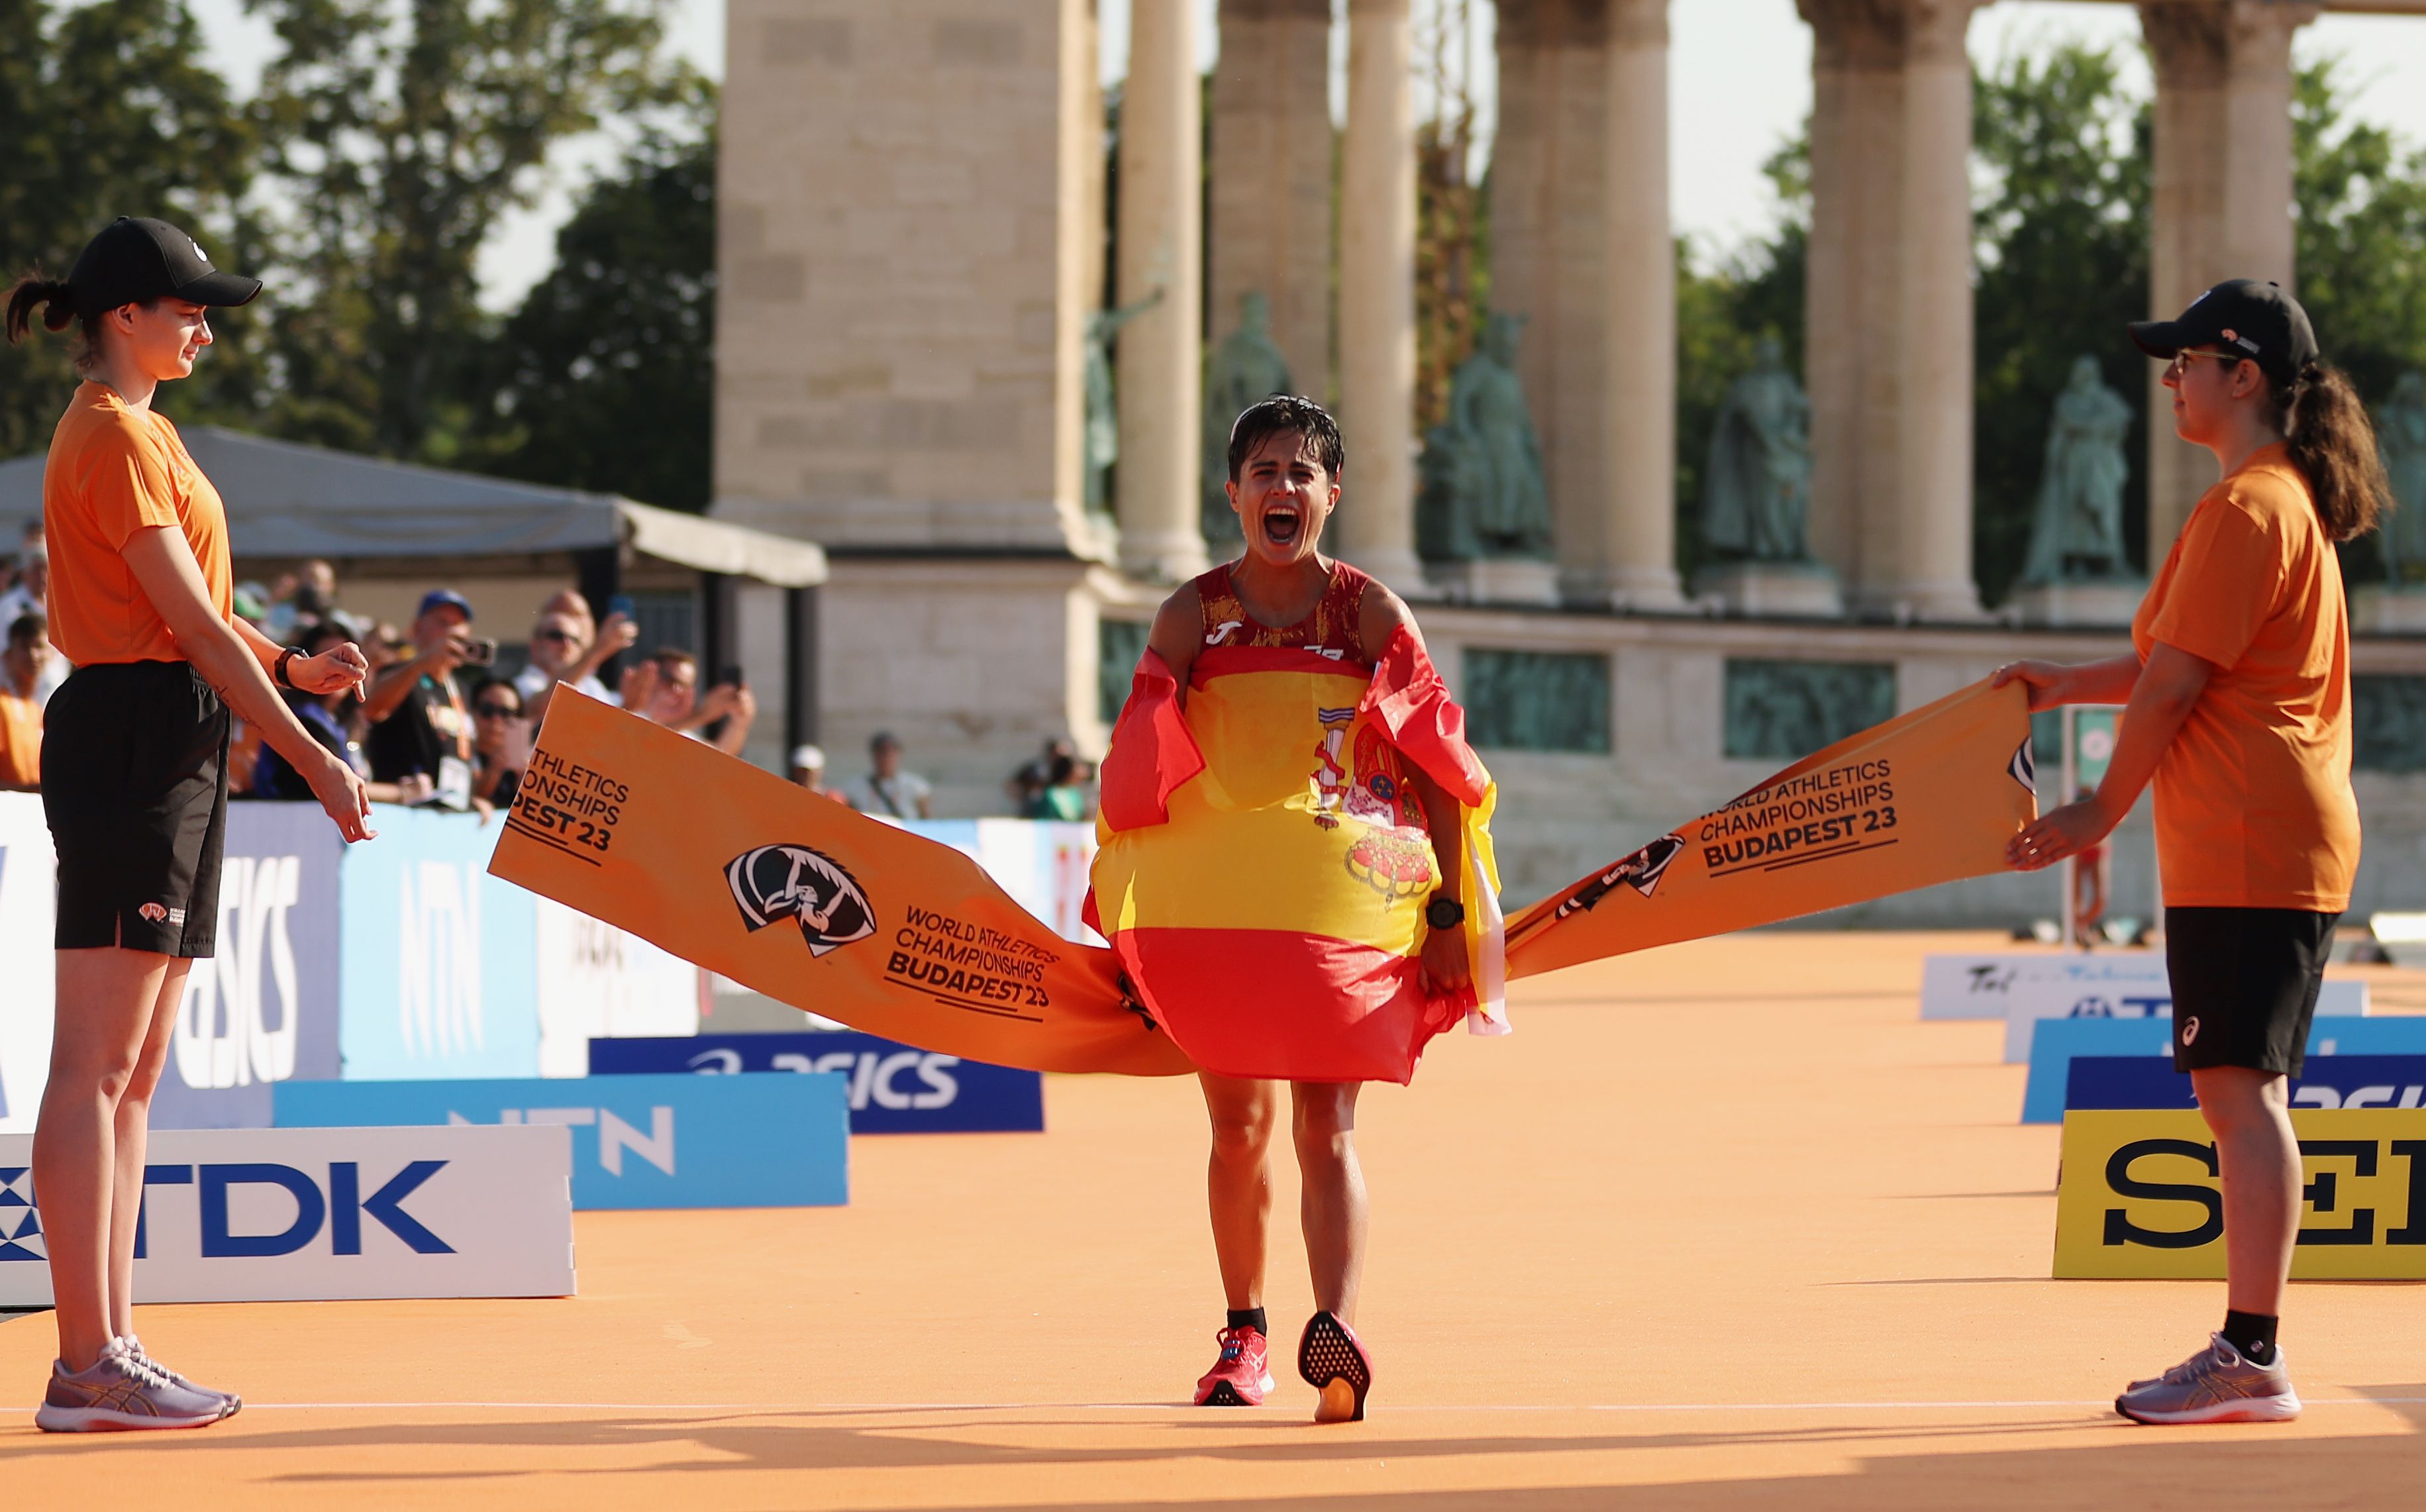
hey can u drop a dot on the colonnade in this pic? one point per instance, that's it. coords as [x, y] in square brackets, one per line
[1583, 248]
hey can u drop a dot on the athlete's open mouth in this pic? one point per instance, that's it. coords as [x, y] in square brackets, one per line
[1281, 523]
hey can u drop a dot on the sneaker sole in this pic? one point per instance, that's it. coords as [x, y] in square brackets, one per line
[106, 1419]
[1331, 1360]
[1226, 1393]
[2281, 1409]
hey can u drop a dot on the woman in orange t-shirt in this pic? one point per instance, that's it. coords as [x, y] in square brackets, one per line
[135, 780]
[2240, 710]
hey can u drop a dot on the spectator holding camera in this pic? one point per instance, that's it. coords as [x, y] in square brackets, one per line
[664, 689]
[562, 650]
[27, 654]
[421, 723]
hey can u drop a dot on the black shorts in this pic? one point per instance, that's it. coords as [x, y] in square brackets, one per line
[2245, 984]
[135, 786]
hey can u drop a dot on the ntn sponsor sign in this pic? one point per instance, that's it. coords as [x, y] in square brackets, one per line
[894, 1088]
[665, 1141]
[325, 1214]
[2055, 1044]
[2323, 1081]
[2140, 1197]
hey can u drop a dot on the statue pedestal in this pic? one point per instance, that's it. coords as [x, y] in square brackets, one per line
[2080, 606]
[1771, 591]
[1495, 580]
[2380, 609]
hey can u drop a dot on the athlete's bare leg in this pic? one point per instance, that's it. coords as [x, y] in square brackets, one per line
[1239, 1182]
[1331, 1207]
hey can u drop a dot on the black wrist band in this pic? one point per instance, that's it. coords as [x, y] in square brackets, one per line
[278, 671]
[1444, 912]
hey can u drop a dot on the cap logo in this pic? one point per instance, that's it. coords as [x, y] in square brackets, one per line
[197, 251]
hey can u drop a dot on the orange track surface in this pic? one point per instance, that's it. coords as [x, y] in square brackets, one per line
[1723, 1226]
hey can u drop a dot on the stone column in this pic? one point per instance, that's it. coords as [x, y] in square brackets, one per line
[1851, 313]
[1636, 546]
[1272, 178]
[1376, 525]
[1933, 579]
[2223, 191]
[1162, 358]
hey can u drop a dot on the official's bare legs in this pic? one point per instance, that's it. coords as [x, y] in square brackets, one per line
[115, 1010]
[1331, 1204]
[2249, 1113]
[1239, 1182]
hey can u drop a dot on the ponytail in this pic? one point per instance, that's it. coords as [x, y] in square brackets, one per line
[2332, 443]
[30, 291]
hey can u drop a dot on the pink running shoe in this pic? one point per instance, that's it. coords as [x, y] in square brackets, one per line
[123, 1391]
[1334, 1362]
[1242, 1374]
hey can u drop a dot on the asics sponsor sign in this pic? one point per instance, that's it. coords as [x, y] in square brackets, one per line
[894, 1089]
[2056, 1043]
[324, 1214]
[637, 1141]
[2140, 1197]
[2323, 1081]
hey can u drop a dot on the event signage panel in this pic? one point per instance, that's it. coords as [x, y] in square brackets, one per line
[28, 896]
[2056, 1042]
[265, 1008]
[2025, 1011]
[637, 1141]
[2323, 1081]
[2139, 1197]
[2046, 984]
[325, 1214]
[439, 971]
[894, 1089]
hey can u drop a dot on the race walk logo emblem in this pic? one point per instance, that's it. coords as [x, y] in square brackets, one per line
[1641, 871]
[777, 882]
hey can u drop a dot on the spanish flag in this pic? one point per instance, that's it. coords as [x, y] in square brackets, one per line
[1264, 863]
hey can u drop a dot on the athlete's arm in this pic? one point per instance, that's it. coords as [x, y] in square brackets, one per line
[1446, 968]
[2168, 688]
[339, 667]
[164, 564]
[2052, 684]
[1175, 635]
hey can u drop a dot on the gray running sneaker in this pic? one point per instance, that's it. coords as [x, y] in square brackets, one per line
[136, 1347]
[125, 1390]
[2216, 1385]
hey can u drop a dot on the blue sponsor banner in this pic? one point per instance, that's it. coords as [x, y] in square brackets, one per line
[263, 1009]
[894, 1089]
[2056, 1042]
[2323, 1081]
[439, 959]
[637, 1141]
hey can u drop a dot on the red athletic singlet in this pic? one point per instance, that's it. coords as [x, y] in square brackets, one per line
[1331, 630]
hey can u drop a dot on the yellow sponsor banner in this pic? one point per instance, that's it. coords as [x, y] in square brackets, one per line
[2139, 1197]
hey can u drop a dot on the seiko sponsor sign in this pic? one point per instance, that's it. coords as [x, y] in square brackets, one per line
[325, 1214]
[2323, 1081]
[2140, 1196]
[894, 1089]
[637, 1141]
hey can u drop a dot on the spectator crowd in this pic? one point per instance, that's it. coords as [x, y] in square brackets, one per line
[439, 723]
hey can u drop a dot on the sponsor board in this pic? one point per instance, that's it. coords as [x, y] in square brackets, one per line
[595, 981]
[263, 1009]
[2323, 1081]
[28, 893]
[328, 1215]
[2335, 1000]
[2139, 1196]
[894, 1088]
[439, 974]
[2055, 1044]
[2023, 989]
[637, 1141]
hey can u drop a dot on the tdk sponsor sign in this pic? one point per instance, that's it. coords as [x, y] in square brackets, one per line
[2323, 1081]
[894, 1089]
[2056, 1043]
[637, 1141]
[328, 1214]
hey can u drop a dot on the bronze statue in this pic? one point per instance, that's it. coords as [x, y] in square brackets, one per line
[1482, 494]
[2401, 435]
[1244, 368]
[1103, 438]
[2077, 530]
[1757, 490]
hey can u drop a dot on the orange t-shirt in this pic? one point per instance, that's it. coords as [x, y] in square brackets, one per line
[113, 472]
[21, 738]
[2253, 801]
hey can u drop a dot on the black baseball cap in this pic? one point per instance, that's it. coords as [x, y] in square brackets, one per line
[2256, 319]
[136, 260]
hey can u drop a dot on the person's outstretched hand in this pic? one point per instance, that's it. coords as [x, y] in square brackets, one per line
[2045, 680]
[340, 791]
[334, 670]
[2060, 834]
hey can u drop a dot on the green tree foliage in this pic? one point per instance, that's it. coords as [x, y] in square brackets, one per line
[404, 129]
[106, 112]
[2061, 155]
[605, 379]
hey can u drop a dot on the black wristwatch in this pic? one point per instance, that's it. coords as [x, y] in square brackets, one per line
[278, 669]
[1444, 912]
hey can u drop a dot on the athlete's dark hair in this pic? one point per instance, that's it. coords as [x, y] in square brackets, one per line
[1266, 418]
[58, 303]
[2332, 443]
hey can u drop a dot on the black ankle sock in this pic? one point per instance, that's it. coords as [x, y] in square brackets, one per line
[2253, 1334]
[1254, 1318]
